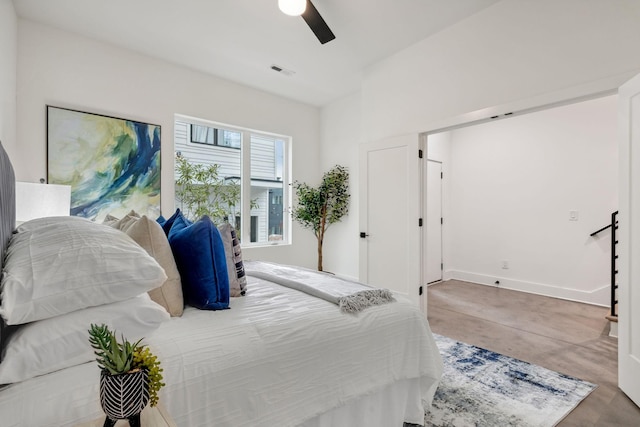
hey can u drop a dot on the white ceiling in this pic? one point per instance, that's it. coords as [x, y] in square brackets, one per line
[239, 40]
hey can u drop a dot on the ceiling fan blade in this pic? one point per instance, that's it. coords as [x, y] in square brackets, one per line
[317, 24]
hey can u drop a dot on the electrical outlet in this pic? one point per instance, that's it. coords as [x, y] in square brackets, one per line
[505, 264]
[497, 283]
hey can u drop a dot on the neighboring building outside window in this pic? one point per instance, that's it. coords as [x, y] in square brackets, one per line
[257, 161]
[213, 136]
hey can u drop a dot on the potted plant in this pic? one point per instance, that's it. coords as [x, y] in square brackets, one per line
[130, 376]
[318, 208]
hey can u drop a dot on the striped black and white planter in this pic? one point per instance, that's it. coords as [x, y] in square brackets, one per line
[124, 396]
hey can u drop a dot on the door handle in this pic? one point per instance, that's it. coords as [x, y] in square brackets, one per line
[363, 235]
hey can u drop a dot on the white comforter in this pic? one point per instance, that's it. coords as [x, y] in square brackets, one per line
[278, 357]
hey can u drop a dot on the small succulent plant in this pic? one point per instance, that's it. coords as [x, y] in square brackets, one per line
[121, 357]
[111, 355]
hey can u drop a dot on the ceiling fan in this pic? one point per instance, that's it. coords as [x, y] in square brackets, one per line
[311, 16]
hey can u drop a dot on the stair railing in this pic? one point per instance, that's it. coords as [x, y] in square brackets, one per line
[614, 270]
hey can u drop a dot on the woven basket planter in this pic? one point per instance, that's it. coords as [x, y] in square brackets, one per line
[124, 396]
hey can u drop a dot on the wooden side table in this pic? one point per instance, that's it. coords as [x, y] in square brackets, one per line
[150, 417]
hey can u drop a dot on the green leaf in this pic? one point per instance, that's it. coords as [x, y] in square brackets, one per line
[202, 191]
[111, 355]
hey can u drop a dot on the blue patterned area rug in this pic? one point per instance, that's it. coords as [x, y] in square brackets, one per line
[483, 388]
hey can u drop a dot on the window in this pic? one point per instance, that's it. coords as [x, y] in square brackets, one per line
[213, 136]
[267, 157]
[250, 188]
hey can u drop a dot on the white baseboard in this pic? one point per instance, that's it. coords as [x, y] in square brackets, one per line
[600, 296]
[613, 330]
[447, 275]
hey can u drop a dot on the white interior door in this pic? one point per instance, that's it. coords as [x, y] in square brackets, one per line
[433, 261]
[629, 241]
[390, 244]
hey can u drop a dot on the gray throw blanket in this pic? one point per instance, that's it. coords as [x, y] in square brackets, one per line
[351, 297]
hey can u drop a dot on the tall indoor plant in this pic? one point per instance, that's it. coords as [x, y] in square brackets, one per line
[318, 208]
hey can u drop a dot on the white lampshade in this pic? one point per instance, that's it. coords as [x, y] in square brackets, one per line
[41, 200]
[292, 7]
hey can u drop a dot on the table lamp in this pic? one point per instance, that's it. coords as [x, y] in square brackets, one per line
[35, 200]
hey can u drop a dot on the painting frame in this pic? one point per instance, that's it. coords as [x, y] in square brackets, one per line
[112, 164]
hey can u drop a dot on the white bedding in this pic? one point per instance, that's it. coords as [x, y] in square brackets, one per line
[278, 357]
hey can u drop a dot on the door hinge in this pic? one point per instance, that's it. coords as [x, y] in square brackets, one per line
[441, 266]
[441, 175]
[420, 222]
[441, 220]
[419, 154]
[420, 291]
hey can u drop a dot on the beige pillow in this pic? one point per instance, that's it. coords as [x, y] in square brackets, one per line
[126, 222]
[110, 220]
[149, 234]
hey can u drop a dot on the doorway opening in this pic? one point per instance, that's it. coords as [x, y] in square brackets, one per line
[434, 264]
[520, 198]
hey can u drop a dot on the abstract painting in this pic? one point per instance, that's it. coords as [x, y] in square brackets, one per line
[111, 164]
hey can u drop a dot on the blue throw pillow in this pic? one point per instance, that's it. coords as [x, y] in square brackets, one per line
[168, 223]
[199, 253]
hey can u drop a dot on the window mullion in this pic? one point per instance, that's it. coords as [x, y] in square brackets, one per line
[246, 188]
[287, 193]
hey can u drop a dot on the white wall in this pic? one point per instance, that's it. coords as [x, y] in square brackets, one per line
[511, 51]
[62, 69]
[511, 56]
[341, 130]
[513, 183]
[8, 61]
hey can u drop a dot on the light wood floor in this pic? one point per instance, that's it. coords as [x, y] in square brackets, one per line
[565, 336]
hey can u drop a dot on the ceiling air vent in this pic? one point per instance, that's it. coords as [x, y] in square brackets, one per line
[282, 70]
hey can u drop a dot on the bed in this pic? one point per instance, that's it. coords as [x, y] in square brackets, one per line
[276, 357]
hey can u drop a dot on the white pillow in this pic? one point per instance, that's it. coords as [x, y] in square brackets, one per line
[37, 223]
[66, 264]
[63, 341]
